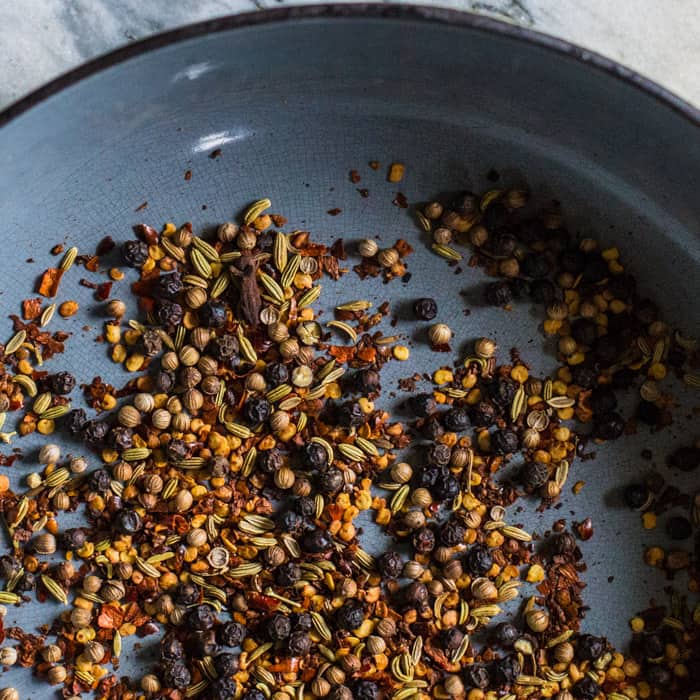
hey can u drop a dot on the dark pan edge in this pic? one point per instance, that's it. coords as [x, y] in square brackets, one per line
[359, 11]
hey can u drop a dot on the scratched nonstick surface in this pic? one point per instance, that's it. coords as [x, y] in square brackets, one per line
[295, 99]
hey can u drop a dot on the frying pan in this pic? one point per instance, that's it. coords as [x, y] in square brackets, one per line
[295, 98]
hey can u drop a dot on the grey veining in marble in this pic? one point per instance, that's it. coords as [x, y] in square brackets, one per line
[39, 39]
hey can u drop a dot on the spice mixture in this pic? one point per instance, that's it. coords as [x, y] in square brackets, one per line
[228, 484]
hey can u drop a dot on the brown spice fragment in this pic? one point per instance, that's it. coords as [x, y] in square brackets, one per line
[354, 176]
[334, 212]
[31, 309]
[48, 284]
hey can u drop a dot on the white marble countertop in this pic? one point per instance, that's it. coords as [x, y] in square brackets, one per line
[40, 39]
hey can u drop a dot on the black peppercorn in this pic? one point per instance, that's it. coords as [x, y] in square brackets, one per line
[586, 689]
[278, 627]
[563, 543]
[425, 309]
[636, 496]
[498, 293]
[305, 506]
[350, 615]
[456, 419]
[9, 565]
[584, 331]
[168, 313]
[416, 595]
[62, 383]
[315, 456]
[506, 670]
[286, 575]
[212, 314]
[276, 373]
[495, 216]
[452, 533]
[589, 647]
[451, 638]
[167, 286]
[439, 454]
[75, 420]
[606, 349]
[503, 244]
[687, 459]
[171, 648]
[534, 475]
[231, 634]
[128, 522]
[290, 521]
[299, 643]
[331, 481]
[658, 676]
[254, 694]
[121, 438]
[390, 564]
[73, 538]
[679, 528]
[317, 541]
[483, 414]
[134, 253]
[175, 675]
[163, 381]
[478, 560]
[222, 688]
[187, 594]
[365, 690]
[302, 621]
[653, 646]
[366, 381]
[94, 431]
[99, 480]
[224, 347]
[432, 428]
[151, 342]
[423, 540]
[542, 291]
[584, 376]
[505, 634]
[535, 266]
[603, 400]
[477, 676]
[177, 450]
[572, 260]
[27, 582]
[446, 486]
[501, 391]
[504, 441]
[257, 410]
[422, 404]
[269, 461]
[201, 617]
[351, 415]
[608, 426]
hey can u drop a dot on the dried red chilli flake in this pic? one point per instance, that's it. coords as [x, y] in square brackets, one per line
[334, 212]
[400, 200]
[354, 176]
[188, 175]
[31, 309]
[103, 291]
[147, 233]
[87, 283]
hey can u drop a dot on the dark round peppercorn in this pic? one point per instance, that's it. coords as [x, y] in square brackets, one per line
[603, 400]
[478, 560]
[495, 216]
[390, 564]
[687, 459]
[416, 594]
[121, 438]
[658, 676]
[62, 383]
[506, 670]
[423, 540]
[222, 688]
[299, 643]
[636, 496]
[365, 690]
[432, 428]
[422, 404]
[315, 456]
[200, 617]
[350, 615]
[317, 541]
[163, 381]
[648, 412]
[278, 627]
[505, 634]
[286, 575]
[563, 543]
[366, 381]
[452, 533]
[501, 391]
[425, 309]
[504, 441]
[584, 331]
[186, 594]
[498, 293]
[534, 475]
[584, 376]
[477, 676]
[606, 349]
[609, 426]
[456, 419]
[483, 414]
[679, 528]
[171, 648]
[503, 244]
[589, 647]
[586, 689]
[175, 675]
[446, 486]
[305, 506]
[167, 286]
[94, 431]
[151, 342]
[302, 621]
[99, 480]
[425, 478]
[73, 538]
[535, 266]
[595, 269]
[331, 481]
[224, 347]
[276, 373]
[653, 646]
[212, 314]
[75, 420]
[269, 461]
[134, 253]
[254, 694]
[177, 449]
[351, 415]
[257, 410]
[439, 454]
[168, 313]
[226, 664]
[231, 634]
[542, 291]
[451, 638]
[290, 521]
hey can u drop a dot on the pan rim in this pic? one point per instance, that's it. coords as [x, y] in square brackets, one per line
[333, 11]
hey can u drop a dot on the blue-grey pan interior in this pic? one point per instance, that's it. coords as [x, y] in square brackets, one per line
[296, 98]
